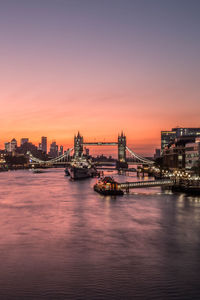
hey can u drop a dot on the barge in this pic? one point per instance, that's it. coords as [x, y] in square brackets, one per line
[108, 186]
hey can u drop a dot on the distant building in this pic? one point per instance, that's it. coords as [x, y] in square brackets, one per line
[7, 146]
[157, 153]
[11, 146]
[40, 146]
[29, 147]
[24, 140]
[53, 150]
[87, 151]
[61, 151]
[44, 144]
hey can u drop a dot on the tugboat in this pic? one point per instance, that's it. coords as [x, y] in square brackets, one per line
[108, 186]
[81, 168]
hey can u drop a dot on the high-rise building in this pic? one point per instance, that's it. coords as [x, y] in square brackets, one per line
[44, 144]
[7, 147]
[53, 149]
[11, 146]
[61, 150]
[24, 140]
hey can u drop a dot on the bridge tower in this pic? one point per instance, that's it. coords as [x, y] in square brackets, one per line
[121, 163]
[78, 145]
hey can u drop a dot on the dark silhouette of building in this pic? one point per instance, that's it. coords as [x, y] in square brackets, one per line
[53, 150]
[44, 144]
[24, 140]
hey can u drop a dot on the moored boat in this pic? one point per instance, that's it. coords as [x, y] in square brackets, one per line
[81, 168]
[108, 186]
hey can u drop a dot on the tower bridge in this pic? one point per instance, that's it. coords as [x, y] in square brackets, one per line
[121, 145]
[78, 152]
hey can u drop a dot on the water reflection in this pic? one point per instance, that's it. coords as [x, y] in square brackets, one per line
[61, 240]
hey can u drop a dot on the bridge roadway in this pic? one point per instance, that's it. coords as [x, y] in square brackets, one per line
[147, 183]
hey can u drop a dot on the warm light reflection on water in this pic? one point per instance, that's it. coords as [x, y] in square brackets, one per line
[61, 240]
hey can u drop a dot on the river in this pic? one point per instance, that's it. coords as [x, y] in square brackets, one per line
[61, 240]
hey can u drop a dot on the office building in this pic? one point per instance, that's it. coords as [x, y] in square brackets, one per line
[53, 150]
[184, 131]
[11, 146]
[192, 154]
[167, 137]
[61, 150]
[24, 140]
[44, 144]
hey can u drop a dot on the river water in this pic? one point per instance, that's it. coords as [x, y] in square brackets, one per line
[61, 240]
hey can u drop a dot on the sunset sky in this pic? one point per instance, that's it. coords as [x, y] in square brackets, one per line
[99, 66]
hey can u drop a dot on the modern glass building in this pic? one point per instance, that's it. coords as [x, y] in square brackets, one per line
[169, 136]
[166, 138]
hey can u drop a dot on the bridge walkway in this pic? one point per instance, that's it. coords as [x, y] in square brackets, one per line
[144, 184]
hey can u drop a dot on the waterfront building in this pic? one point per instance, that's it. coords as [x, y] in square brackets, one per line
[174, 156]
[182, 149]
[192, 154]
[187, 131]
[167, 137]
[44, 144]
[24, 140]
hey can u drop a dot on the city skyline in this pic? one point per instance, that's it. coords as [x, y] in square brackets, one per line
[99, 67]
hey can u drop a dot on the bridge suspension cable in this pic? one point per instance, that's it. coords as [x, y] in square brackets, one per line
[140, 158]
[51, 161]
